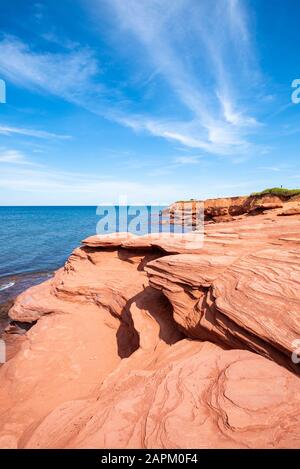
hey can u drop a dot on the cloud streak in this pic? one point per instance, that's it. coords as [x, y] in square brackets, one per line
[69, 75]
[195, 46]
[63, 188]
[7, 130]
[12, 157]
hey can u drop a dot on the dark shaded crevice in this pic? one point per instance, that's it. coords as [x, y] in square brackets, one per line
[146, 254]
[157, 306]
[12, 332]
[18, 327]
[4, 318]
[128, 340]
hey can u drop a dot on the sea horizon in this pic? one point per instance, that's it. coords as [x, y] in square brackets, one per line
[38, 239]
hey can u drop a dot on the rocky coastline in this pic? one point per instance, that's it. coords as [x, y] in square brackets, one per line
[164, 342]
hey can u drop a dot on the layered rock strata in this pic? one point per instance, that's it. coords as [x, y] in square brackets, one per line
[162, 342]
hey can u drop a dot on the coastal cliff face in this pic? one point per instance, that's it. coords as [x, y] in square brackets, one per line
[229, 208]
[163, 342]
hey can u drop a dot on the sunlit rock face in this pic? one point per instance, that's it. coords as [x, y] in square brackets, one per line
[166, 342]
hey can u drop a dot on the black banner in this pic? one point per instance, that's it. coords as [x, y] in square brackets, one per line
[135, 458]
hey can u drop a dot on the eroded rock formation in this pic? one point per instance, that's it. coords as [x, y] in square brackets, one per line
[162, 342]
[228, 208]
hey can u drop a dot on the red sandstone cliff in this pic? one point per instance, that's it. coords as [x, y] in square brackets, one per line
[162, 343]
[228, 208]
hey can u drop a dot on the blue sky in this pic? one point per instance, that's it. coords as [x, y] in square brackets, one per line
[147, 100]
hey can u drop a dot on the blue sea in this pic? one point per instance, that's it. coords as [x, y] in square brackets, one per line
[35, 241]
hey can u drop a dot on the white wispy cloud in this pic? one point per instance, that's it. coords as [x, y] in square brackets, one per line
[275, 169]
[169, 168]
[69, 75]
[216, 140]
[47, 186]
[197, 47]
[8, 130]
[187, 160]
[12, 157]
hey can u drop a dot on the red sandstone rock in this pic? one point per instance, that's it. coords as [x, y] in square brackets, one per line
[196, 395]
[222, 218]
[290, 211]
[110, 240]
[85, 327]
[265, 206]
[224, 209]
[105, 365]
[166, 242]
[242, 289]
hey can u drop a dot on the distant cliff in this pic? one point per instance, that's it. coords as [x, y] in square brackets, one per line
[227, 208]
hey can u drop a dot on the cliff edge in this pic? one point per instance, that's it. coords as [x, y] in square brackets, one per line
[162, 342]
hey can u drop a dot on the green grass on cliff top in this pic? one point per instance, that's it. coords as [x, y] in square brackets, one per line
[280, 191]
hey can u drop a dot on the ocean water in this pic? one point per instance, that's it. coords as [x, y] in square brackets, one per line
[35, 241]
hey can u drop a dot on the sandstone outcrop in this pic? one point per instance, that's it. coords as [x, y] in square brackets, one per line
[226, 209]
[242, 288]
[196, 395]
[290, 211]
[162, 342]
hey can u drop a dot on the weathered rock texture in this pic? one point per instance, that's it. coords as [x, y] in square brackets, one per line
[162, 342]
[226, 209]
